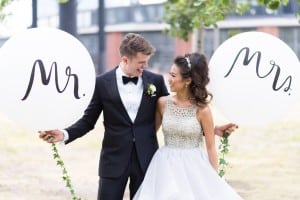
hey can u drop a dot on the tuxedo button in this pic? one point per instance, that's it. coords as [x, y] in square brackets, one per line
[133, 139]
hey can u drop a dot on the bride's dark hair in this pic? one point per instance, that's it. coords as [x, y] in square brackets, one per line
[195, 66]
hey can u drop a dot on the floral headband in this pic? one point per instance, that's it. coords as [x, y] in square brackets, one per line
[188, 62]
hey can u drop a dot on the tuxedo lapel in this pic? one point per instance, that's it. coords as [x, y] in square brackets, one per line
[143, 104]
[112, 90]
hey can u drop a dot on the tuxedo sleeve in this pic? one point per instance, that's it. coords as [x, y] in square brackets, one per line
[88, 120]
[163, 91]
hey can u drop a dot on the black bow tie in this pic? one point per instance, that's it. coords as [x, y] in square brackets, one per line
[127, 79]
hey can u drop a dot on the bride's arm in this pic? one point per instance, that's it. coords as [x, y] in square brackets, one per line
[159, 112]
[205, 118]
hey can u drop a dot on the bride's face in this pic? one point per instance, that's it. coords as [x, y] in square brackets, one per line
[176, 82]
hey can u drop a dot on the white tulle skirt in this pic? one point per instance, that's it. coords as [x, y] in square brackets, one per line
[183, 174]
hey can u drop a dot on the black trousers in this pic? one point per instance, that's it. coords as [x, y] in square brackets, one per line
[114, 188]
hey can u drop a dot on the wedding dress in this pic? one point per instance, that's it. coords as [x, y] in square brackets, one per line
[180, 170]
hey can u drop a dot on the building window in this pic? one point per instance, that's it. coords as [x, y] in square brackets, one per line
[165, 50]
[291, 36]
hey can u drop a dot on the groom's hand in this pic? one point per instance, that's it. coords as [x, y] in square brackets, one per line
[228, 128]
[51, 136]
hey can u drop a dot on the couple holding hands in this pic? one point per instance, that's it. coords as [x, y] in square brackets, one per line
[135, 103]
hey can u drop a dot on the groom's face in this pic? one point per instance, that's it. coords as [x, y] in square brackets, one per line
[134, 66]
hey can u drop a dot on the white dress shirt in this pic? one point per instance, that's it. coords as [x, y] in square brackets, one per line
[130, 93]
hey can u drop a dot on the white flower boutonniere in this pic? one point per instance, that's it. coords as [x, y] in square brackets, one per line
[151, 90]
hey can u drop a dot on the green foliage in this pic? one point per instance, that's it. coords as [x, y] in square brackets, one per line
[184, 16]
[65, 175]
[63, 1]
[4, 4]
[273, 4]
[223, 149]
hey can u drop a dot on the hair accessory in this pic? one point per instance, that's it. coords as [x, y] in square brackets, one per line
[188, 61]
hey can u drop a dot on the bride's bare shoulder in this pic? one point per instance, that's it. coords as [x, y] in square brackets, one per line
[161, 103]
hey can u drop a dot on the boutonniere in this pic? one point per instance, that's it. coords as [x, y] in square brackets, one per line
[151, 90]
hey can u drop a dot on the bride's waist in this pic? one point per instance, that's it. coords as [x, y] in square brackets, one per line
[180, 144]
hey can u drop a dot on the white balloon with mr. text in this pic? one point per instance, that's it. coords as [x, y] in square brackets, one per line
[47, 78]
[254, 78]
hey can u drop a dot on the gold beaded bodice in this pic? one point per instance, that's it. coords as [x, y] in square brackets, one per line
[180, 126]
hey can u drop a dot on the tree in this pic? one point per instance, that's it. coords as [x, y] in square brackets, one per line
[184, 16]
[4, 4]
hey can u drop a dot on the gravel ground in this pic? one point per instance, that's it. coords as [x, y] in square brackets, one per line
[264, 163]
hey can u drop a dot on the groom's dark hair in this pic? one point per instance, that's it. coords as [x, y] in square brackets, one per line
[134, 43]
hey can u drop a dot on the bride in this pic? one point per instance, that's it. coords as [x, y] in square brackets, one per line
[183, 169]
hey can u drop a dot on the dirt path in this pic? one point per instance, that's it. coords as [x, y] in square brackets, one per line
[264, 163]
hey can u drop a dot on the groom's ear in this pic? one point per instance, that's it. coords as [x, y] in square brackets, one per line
[124, 59]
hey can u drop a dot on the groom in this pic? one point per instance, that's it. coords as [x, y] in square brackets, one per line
[129, 140]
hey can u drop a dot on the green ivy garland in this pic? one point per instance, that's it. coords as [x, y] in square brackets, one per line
[224, 149]
[65, 175]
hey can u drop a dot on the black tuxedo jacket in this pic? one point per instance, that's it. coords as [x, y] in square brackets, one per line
[120, 133]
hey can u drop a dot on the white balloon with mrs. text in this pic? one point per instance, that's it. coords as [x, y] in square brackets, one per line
[255, 79]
